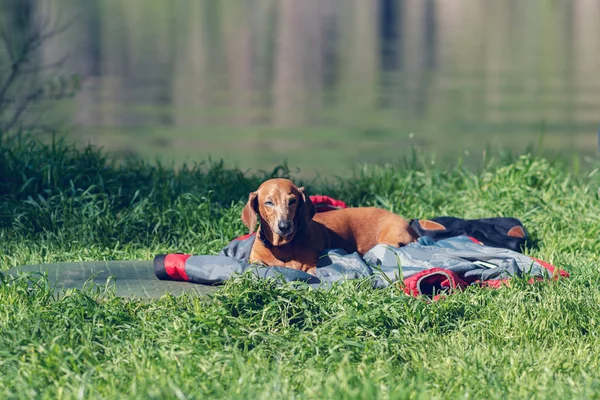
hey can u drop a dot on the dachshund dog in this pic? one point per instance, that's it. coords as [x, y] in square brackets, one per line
[292, 235]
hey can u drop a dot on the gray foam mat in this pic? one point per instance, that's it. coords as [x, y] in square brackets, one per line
[135, 279]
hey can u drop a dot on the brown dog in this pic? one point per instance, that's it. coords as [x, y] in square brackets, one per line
[292, 235]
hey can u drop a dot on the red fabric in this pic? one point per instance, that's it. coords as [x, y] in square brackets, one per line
[326, 203]
[494, 283]
[175, 266]
[472, 239]
[552, 268]
[424, 282]
[244, 237]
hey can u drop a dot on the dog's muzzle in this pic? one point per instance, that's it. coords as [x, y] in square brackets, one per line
[284, 227]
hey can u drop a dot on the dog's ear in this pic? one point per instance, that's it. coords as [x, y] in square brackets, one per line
[307, 208]
[250, 211]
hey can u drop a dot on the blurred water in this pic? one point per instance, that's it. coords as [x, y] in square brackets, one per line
[328, 83]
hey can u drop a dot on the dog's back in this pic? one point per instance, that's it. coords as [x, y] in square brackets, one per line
[361, 228]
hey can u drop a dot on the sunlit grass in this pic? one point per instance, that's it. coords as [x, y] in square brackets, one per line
[254, 339]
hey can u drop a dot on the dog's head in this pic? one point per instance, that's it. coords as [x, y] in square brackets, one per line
[283, 208]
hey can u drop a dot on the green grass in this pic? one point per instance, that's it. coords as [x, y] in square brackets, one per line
[254, 339]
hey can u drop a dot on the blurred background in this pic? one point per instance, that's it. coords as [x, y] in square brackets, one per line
[321, 84]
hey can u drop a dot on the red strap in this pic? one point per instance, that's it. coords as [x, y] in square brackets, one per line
[175, 266]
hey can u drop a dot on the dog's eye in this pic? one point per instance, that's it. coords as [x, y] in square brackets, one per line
[269, 203]
[292, 201]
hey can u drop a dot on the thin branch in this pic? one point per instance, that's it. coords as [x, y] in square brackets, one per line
[19, 59]
[45, 67]
[31, 44]
[14, 70]
[7, 46]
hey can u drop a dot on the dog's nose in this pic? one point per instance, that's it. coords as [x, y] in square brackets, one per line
[284, 226]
